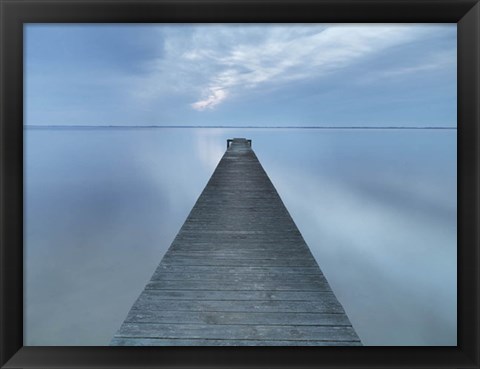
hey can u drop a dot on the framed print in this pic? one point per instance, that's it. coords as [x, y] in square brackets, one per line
[239, 184]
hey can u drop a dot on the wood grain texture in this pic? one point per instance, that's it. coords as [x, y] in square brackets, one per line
[238, 273]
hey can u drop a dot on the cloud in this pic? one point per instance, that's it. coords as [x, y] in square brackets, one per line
[439, 60]
[211, 64]
[215, 96]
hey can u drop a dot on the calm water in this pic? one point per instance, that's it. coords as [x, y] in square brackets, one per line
[376, 207]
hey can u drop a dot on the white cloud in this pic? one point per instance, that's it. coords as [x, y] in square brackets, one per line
[215, 96]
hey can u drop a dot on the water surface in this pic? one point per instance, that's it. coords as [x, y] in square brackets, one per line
[376, 207]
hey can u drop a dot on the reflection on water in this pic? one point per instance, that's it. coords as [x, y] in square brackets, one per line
[377, 208]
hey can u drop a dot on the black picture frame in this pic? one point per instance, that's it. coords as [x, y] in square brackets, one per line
[14, 13]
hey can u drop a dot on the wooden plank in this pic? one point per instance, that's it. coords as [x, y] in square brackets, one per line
[226, 285]
[238, 277]
[231, 331]
[221, 231]
[328, 305]
[307, 259]
[245, 269]
[237, 295]
[240, 248]
[248, 252]
[238, 238]
[123, 341]
[240, 262]
[238, 318]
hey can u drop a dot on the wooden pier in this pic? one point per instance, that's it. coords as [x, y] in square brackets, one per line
[238, 273]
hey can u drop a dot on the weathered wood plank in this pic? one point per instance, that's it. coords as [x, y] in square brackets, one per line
[327, 305]
[238, 318]
[241, 247]
[238, 295]
[226, 285]
[237, 238]
[222, 258]
[242, 254]
[240, 262]
[238, 277]
[123, 341]
[246, 269]
[231, 331]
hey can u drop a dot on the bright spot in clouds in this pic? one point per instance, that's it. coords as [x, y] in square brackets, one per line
[216, 96]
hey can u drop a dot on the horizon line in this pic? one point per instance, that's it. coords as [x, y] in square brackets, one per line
[236, 127]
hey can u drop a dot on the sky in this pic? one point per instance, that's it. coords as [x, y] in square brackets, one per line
[241, 75]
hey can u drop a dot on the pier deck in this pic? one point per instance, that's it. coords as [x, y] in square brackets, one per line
[238, 273]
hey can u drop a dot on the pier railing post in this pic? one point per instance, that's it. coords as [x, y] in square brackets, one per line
[229, 142]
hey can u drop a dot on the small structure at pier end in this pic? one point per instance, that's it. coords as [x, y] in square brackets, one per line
[238, 273]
